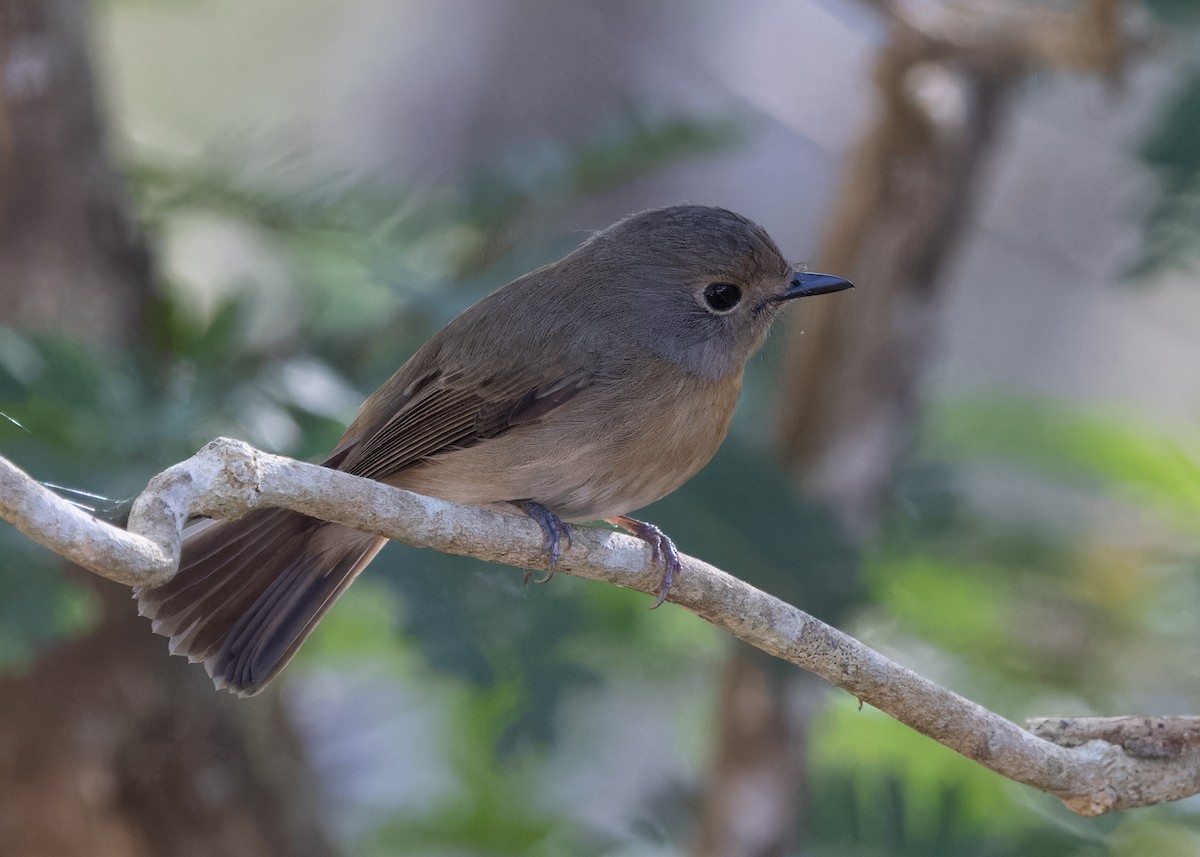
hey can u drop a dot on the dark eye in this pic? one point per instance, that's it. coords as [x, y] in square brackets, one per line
[722, 297]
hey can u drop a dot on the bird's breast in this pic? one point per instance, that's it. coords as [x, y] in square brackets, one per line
[617, 446]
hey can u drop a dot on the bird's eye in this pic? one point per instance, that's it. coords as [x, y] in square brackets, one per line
[722, 297]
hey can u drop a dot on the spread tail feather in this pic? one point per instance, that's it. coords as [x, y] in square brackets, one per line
[250, 591]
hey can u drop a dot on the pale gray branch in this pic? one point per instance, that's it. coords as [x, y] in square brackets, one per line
[1092, 774]
[71, 532]
[1144, 737]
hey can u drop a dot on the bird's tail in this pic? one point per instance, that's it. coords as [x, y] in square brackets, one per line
[250, 591]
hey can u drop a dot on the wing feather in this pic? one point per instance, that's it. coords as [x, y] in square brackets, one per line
[455, 412]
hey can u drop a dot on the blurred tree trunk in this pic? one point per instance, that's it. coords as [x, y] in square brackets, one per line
[757, 791]
[70, 256]
[108, 746]
[905, 200]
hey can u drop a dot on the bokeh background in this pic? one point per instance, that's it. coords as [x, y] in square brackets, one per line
[237, 217]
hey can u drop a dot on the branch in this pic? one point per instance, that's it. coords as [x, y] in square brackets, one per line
[1088, 768]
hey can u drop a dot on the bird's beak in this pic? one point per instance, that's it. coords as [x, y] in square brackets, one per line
[805, 284]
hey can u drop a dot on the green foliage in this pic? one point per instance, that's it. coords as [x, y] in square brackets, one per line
[363, 630]
[638, 146]
[741, 513]
[1154, 832]
[495, 811]
[1025, 613]
[36, 605]
[1174, 11]
[1089, 449]
[491, 808]
[1171, 226]
[958, 607]
[887, 790]
[632, 145]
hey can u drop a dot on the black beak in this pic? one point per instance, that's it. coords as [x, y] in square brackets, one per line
[805, 284]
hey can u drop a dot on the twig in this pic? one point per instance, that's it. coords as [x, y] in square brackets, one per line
[229, 478]
[1144, 737]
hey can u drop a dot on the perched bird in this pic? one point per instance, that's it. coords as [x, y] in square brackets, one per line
[580, 392]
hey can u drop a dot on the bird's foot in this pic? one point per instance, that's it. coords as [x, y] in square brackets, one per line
[553, 526]
[662, 550]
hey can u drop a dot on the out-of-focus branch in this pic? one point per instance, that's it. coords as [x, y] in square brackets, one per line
[228, 478]
[71, 256]
[907, 192]
[849, 395]
[759, 748]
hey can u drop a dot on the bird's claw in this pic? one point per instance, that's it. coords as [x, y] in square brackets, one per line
[554, 527]
[662, 551]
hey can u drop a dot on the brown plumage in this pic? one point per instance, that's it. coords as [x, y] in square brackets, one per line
[581, 391]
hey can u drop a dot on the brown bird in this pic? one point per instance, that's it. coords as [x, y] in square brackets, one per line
[580, 392]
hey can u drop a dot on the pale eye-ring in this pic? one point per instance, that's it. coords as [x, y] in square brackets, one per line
[722, 297]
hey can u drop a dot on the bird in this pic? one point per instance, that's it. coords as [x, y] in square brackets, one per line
[579, 392]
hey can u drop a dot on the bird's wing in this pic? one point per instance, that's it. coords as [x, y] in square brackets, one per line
[442, 412]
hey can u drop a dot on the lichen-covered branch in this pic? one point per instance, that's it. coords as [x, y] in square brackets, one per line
[1089, 771]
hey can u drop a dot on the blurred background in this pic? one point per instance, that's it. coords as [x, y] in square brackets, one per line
[237, 217]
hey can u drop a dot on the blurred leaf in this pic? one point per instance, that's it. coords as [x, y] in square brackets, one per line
[742, 514]
[952, 604]
[1116, 452]
[1035, 608]
[619, 628]
[641, 146]
[37, 605]
[1154, 832]
[479, 622]
[495, 812]
[891, 791]
[1174, 11]
[1171, 227]
[189, 336]
[364, 628]
[633, 144]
